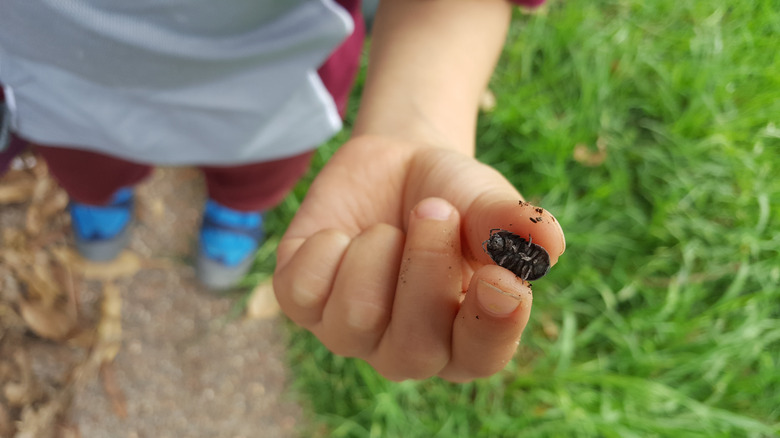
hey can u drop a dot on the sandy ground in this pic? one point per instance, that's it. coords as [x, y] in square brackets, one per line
[185, 367]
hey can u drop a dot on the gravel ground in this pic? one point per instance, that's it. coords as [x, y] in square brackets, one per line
[187, 371]
[185, 367]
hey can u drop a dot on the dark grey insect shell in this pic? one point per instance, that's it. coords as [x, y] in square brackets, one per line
[526, 259]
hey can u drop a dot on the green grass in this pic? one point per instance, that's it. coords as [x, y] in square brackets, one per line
[663, 316]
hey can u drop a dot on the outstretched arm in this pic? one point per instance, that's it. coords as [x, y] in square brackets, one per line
[430, 62]
[384, 259]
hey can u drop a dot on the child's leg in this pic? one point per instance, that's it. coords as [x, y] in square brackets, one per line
[102, 200]
[232, 227]
[90, 177]
[257, 186]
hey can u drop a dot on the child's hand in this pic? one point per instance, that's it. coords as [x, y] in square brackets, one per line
[388, 239]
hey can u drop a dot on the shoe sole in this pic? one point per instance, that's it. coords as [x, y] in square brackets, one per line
[104, 250]
[218, 277]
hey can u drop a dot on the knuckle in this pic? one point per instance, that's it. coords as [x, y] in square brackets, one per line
[388, 231]
[420, 360]
[309, 287]
[366, 317]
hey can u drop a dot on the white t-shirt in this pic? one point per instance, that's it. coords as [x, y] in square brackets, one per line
[172, 81]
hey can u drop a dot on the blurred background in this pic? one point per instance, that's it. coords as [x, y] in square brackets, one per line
[650, 130]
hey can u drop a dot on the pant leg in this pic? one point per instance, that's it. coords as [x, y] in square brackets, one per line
[256, 186]
[260, 186]
[91, 177]
[339, 70]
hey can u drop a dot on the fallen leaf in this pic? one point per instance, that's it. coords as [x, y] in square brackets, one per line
[549, 327]
[113, 390]
[44, 306]
[16, 394]
[10, 320]
[55, 203]
[126, 264]
[262, 302]
[34, 270]
[39, 421]
[109, 329]
[47, 200]
[40, 280]
[13, 239]
[24, 389]
[587, 157]
[6, 426]
[56, 323]
[16, 192]
[487, 102]
[69, 431]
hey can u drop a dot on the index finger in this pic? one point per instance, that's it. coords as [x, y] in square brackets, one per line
[517, 216]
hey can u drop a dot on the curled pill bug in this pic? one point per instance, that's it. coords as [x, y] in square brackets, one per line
[524, 258]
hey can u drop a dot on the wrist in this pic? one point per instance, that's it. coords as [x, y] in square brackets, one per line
[429, 63]
[413, 126]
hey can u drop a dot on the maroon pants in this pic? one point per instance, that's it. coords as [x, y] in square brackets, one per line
[92, 178]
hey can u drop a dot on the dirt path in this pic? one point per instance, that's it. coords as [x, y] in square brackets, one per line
[184, 367]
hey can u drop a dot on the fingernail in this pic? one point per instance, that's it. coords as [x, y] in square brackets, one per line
[496, 301]
[434, 208]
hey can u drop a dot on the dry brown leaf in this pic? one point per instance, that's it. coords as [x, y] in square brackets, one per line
[487, 102]
[33, 222]
[587, 157]
[13, 239]
[549, 327]
[9, 320]
[126, 265]
[109, 329]
[56, 323]
[43, 185]
[39, 421]
[22, 388]
[55, 203]
[7, 372]
[107, 343]
[262, 303]
[113, 390]
[16, 192]
[34, 270]
[44, 306]
[17, 394]
[69, 431]
[6, 426]
[41, 283]
[47, 200]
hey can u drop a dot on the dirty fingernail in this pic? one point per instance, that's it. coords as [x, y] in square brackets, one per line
[496, 301]
[434, 208]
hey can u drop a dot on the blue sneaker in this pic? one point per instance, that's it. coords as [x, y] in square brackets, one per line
[228, 242]
[102, 232]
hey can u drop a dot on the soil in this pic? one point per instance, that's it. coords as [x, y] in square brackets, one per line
[134, 348]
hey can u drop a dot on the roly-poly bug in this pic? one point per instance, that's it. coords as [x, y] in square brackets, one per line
[524, 258]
